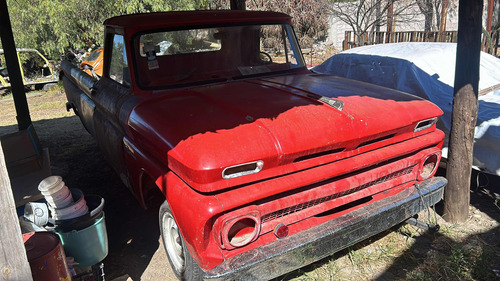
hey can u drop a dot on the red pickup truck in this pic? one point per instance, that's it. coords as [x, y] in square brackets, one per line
[264, 166]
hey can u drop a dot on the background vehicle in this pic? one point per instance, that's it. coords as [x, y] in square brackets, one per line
[427, 70]
[92, 64]
[35, 69]
[264, 166]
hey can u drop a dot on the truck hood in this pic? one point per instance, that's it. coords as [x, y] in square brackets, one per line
[284, 121]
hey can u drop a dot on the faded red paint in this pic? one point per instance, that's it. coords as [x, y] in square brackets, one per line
[317, 158]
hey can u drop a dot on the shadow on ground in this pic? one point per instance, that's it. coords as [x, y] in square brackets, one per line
[434, 256]
[132, 232]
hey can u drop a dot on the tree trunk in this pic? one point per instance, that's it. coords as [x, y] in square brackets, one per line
[390, 14]
[428, 21]
[377, 11]
[361, 38]
[444, 15]
[490, 15]
[442, 24]
[390, 17]
[464, 114]
[427, 10]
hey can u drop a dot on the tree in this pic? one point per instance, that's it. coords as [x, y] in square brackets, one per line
[427, 9]
[433, 9]
[366, 15]
[310, 17]
[52, 26]
[464, 114]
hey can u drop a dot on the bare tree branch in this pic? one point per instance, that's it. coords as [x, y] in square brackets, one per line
[363, 15]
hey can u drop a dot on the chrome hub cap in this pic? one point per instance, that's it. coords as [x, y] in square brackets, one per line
[172, 240]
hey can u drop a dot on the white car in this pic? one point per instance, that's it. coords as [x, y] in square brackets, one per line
[427, 70]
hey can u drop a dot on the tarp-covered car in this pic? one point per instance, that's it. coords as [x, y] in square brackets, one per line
[427, 70]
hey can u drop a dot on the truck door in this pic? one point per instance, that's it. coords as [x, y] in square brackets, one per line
[111, 92]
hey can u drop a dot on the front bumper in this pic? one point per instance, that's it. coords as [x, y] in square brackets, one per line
[287, 254]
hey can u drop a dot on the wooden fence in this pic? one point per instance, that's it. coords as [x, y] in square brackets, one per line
[382, 37]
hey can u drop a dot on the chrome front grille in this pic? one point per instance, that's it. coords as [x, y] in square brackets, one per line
[302, 206]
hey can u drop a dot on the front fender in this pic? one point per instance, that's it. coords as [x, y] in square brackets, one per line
[194, 213]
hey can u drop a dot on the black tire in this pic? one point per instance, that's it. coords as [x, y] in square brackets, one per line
[181, 261]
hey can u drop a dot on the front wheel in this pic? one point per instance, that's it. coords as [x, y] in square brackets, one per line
[181, 261]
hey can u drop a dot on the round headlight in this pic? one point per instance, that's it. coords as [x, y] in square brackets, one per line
[429, 166]
[240, 231]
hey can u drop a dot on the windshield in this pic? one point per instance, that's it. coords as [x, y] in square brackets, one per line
[206, 55]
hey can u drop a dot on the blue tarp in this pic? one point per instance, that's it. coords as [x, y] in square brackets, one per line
[427, 70]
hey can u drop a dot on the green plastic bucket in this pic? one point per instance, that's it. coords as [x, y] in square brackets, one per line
[87, 246]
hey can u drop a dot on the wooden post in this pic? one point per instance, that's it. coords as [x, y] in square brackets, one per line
[490, 15]
[390, 19]
[346, 40]
[11, 60]
[13, 261]
[464, 114]
[238, 5]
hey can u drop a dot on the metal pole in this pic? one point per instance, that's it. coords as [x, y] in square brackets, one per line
[16, 80]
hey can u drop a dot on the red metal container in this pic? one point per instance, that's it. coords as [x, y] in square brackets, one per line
[46, 256]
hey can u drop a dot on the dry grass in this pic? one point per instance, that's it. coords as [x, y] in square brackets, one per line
[466, 251]
[319, 55]
[42, 105]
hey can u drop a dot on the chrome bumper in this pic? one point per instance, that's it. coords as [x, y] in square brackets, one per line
[285, 255]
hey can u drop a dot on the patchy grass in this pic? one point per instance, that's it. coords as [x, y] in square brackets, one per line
[465, 251]
[42, 105]
[319, 54]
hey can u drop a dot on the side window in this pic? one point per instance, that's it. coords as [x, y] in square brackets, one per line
[118, 68]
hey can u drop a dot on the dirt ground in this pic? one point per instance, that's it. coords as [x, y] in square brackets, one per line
[467, 251]
[133, 234]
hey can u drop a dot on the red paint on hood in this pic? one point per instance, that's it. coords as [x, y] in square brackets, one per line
[207, 129]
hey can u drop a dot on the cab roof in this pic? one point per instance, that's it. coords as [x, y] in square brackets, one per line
[193, 18]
